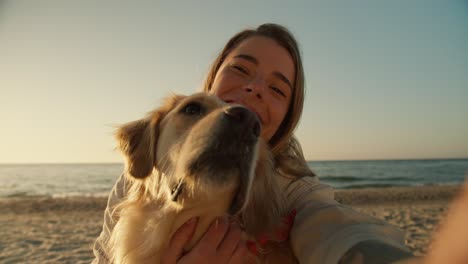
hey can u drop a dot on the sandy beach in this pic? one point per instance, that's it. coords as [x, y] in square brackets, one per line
[62, 230]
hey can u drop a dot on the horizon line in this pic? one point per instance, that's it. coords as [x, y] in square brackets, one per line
[325, 160]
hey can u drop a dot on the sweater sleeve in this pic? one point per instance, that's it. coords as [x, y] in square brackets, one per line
[115, 196]
[324, 230]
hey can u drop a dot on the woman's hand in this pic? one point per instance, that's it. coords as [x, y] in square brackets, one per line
[451, 241]
[220, 244]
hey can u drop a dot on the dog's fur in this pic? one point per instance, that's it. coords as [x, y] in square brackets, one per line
[192, 157]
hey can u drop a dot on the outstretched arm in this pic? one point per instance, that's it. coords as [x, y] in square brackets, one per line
[449, 246]
[374, 252]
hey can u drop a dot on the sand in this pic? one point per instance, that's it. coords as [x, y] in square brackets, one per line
[62, 230]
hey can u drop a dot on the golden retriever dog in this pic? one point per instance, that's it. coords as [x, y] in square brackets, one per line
[194, 156]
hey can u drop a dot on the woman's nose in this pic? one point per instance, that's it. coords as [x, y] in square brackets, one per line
[256, 87]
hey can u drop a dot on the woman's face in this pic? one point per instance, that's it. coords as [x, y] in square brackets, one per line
[258, 74]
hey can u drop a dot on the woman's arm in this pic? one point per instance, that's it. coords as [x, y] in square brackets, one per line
[115, 196]
[325, 231]
[374, 252]
[449, 246]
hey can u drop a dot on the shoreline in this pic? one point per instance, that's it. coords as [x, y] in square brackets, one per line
[416, 194]
[62, 230]
[358, 196]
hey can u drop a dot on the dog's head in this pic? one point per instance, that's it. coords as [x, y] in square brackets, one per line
[194, 145]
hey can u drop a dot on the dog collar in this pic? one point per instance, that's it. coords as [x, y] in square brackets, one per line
[281, 235]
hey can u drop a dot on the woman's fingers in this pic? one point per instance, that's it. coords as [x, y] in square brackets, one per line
[214, 235]
[220, 244]
[240, 254]
[230, 241]
[181, 237]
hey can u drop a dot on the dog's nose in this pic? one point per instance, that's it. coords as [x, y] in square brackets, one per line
[245, 116]
[237, 113]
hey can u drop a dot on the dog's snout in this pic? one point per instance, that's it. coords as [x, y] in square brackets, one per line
[256, 129]
[237, 113]
[244, 116]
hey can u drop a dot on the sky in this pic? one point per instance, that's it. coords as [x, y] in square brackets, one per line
[384, 79]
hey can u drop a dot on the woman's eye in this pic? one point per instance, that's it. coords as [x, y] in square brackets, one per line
[193, 109]
[240, 68]
[278, 91]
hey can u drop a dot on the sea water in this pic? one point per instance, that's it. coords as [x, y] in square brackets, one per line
[97, 179]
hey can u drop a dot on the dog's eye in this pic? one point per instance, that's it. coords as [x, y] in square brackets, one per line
[193, 109]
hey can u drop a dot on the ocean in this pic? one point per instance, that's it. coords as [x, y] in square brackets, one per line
[62, 180]
[388, 173]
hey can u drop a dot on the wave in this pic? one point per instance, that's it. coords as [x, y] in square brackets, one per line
[388, 185]
[374, 185]
[77, 194]
[17, 194]
[354, 178]
[55, 195]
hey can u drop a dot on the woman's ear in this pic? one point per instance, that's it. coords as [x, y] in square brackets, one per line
[137, 141]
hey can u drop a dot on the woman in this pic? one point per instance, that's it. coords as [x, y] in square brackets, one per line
[262, 70]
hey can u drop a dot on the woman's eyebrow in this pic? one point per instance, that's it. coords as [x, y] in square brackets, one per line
[247, 57]
[276, 73]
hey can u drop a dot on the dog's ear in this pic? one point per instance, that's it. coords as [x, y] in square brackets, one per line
[266, 203]
[137, 140]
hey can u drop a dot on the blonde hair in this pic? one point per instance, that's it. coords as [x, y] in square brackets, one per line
[286, 150]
